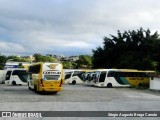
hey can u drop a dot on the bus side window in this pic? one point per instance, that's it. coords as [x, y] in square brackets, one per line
[80, 75]
[110, 74]
[8, 75]
[116, 74]
[75, 73]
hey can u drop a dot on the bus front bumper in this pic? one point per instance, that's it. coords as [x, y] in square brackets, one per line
[57, 89]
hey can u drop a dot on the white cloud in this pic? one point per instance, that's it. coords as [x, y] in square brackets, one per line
[58, 26]
[11, 48]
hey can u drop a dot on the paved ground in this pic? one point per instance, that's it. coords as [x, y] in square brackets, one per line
[79, 98]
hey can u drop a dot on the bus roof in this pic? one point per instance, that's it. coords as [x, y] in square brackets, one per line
[126, 70]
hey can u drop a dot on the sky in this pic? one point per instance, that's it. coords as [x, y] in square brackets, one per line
[70, 27]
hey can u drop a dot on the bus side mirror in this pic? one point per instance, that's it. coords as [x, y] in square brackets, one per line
[30, 75]
[152, 78]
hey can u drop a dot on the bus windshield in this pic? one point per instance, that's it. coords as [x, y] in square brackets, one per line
[51, 77]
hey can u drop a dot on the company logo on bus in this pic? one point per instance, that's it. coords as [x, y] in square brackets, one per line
[52, 66]
[51, 72]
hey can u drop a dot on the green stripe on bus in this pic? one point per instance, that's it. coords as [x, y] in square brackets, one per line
[124, 80]
[121, 80]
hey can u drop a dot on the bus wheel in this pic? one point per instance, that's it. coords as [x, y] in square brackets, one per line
[14, 83]
[139, 85]
[35, 88]
[73, 82]
[109, 85]
[54, 92]
[29, 87]
[3, 82]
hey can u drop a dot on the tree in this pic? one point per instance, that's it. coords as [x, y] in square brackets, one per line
[85, 61]
[41, 58]
[69, 65]
[130, 49]
[3, 60]
[20, 65]
[38, 57]
[155, 64]
[17, 59]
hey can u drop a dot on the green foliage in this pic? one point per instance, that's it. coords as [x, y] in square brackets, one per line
[20, 65]
[66, 65]
[85, 61]
[3, 60]
[69, 65]
[17, 59]
[130, 49]
[155, 64]
[41, 58]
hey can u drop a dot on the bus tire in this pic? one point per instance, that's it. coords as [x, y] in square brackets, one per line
[14, 83]
[29, 87]
[54, 92]
[35, 88]
[73, 82]
[3, 82]
[140, 85]
[109, 85]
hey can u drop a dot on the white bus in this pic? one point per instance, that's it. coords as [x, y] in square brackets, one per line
[74, 76]
[2, 76]
[16, 77]
[122, 78]
[104, 78]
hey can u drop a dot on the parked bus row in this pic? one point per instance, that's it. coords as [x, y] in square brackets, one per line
[109, 77]
[50, 77]
[118, 78]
